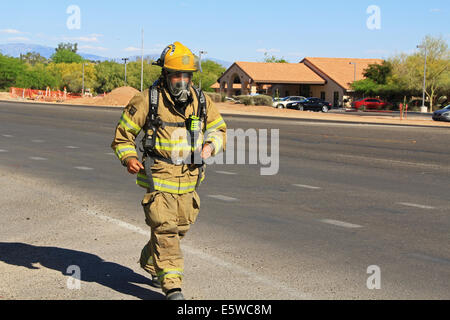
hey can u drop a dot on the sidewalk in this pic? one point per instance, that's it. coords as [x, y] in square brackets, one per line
[265, 111]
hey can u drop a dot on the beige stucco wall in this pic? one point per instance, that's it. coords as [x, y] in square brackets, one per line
[329, 88]
[229, 77]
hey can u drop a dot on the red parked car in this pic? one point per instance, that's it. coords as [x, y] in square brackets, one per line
[369, 103]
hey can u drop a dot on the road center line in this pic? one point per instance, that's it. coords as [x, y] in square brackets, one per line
[84, 168]
[7, 136]
[341, 223]
[38, 141]
[210, 258]
[415, 205]
[223, 198]
[306, 186]
[72, 147]
[38, 158]
[3, 150]
[226, 172]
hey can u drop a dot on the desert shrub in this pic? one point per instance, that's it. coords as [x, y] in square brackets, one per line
[216, 97]
[262, 100]
[247, 100]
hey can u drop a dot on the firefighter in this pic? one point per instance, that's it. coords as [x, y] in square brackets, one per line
[181, 128]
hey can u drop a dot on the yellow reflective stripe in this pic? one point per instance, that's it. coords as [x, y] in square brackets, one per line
[217, 142]
[129, 125]
[167, 186]
[122, 151]
[216, 124]
[170, 273]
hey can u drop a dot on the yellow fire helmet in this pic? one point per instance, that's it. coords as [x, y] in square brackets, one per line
[177, 57]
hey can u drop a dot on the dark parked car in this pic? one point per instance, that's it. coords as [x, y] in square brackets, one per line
[442, 115]
[369, 103]
[314, 104]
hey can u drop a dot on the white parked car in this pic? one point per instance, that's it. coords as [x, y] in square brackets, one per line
[281, 103]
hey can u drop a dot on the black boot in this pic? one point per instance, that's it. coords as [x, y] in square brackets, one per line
[174, 294]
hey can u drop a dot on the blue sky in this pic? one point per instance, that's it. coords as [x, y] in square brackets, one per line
[229, 30]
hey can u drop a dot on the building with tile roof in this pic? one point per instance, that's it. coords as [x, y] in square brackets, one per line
[325, 78]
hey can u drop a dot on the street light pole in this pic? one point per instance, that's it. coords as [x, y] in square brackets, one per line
[125, 59]
[200, 66]
[424, 108]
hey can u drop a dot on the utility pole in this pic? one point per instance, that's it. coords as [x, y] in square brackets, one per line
[125, 59]
[424, 108]
[142, 62]
[200, 67]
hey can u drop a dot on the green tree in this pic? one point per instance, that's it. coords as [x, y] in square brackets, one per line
[68, 47]
[273, 59]
[211, 72]
[110, 75]
[66, 53]
[37, 77]
[66, 56]
[33, 58]
[378, 72]
[438, 68]
[10, 69]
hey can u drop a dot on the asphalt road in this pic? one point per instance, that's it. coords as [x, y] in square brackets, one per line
[347, 199]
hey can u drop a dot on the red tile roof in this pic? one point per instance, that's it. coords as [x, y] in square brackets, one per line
[295, 73]
[340, 70]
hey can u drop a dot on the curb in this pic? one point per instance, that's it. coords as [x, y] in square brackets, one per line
[239, 115]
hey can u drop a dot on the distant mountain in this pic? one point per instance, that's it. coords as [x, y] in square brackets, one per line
[15, 49]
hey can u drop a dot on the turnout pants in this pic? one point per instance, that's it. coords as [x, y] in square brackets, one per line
[169, 217]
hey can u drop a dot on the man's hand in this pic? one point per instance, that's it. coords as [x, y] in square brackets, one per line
[207, 151]
[134, 166]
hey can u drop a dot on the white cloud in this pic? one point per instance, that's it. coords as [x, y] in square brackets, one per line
[10, 31]
[19, 39]
[93, 48]
[131, 49]
[268, 50]
[82, 39]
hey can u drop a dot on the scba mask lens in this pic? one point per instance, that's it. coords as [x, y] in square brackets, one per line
[179, 85]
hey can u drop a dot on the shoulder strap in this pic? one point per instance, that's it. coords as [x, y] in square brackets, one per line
[153, 96]
[201, 112]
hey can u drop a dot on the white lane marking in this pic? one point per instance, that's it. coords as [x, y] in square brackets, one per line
[223, 198]
[38, 141]
[7, 136]
[251, 274]
[84, 168]
[3, 150]
[415, 205]
[110, 153]
[428, 258]
[226, 172]
[38, 158]
[72, 147]
[306, 186]
[341, 223]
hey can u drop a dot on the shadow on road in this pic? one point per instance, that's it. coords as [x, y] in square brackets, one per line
[93, 268]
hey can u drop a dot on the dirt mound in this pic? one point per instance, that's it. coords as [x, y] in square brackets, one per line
[118, 97]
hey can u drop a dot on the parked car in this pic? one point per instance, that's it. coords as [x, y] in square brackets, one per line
[369, 103]
[314, 104]
[442, 115]
[281, 103]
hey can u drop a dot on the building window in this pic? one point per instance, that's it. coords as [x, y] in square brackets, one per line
[336, 99]
[322, 95]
